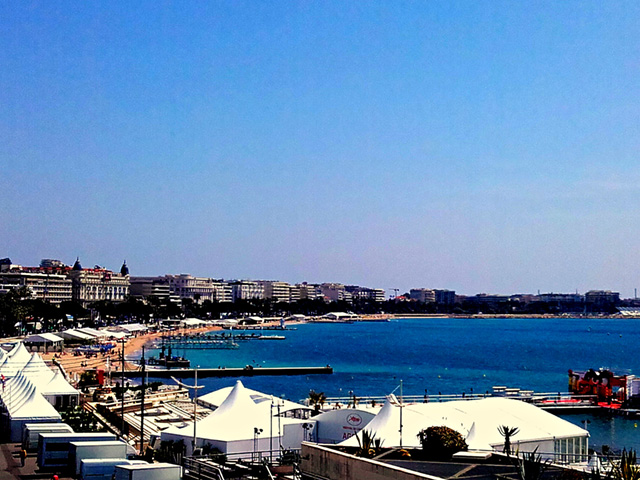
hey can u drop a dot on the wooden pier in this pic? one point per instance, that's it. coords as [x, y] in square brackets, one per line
[226, 372]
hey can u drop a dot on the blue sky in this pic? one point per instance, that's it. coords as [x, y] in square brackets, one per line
[479, 146]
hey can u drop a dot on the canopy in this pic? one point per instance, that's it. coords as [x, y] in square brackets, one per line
[92, 332]
[58, 385]
[43, 338]
[76, 335]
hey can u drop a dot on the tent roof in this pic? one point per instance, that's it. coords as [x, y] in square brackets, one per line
[193, 321]
[476, 420]
[30, 404]
[118, 335]
[235, 419]
[76, 334]
[216, 398]
[43, 338]
[37, 371]
[92, 332]
[58, 385]
[15, 360]
[133, 327]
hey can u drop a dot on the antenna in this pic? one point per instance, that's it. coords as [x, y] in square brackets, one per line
[395, 291]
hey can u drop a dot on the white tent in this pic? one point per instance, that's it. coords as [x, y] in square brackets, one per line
[133, 327]
[37, 371]
[478, 422]
[22, 403]
[45, 340]
[76, 336]
[193, 322]
[92, 332]
[240, 426]
[15, 360]
[116, 334]
[59, 392]
[286, 408]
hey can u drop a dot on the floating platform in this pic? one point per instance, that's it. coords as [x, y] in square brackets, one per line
[226, 372]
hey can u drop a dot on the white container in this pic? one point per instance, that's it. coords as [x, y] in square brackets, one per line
[103, 468]
[79, 451]
[53, 448]
[31, 431]
[155, 471]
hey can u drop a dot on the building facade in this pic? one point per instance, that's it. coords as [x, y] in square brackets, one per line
[246, 290]
[96, 284]
[425, 295]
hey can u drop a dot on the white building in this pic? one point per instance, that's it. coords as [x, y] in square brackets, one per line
[246, 289]
[184, 285]
[425, 295]
[95, 284]
[276, 291]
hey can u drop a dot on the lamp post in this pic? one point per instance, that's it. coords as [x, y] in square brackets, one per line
[122, 390]
[256, 431]
[195, 388]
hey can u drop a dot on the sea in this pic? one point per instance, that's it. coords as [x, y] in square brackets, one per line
[431, 356]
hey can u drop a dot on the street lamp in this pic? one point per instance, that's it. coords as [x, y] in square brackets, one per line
[256, 431]
[195, 388]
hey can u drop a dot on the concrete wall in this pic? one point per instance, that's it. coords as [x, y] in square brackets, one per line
[325, 463]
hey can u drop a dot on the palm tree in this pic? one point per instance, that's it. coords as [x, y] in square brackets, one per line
[317, 399]
[507, 433]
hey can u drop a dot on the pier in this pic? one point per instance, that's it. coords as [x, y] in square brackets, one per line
[226, 372]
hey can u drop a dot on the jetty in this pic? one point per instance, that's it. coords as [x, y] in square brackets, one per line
[248, 371]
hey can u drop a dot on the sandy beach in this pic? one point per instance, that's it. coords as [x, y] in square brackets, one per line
[133, 345]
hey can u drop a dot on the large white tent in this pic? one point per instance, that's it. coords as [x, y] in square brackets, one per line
[22, 403]
[240, 426]
[478, 422]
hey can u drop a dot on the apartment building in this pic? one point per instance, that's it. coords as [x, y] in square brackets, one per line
[425, 295]
[246, 289]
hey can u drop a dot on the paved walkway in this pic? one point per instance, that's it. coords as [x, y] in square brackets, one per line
[10, 468]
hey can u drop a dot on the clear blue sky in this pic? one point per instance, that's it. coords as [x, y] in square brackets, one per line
[481, 146]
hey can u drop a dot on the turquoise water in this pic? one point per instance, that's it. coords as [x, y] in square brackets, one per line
[442, 355]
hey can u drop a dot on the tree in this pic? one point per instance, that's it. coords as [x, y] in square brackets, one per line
[441, 442]
[507, 433]
[317, 400]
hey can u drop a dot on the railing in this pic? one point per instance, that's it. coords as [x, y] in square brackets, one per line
[551, 398]
[215, 466]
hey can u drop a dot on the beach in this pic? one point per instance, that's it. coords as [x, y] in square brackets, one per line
[132, 347]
